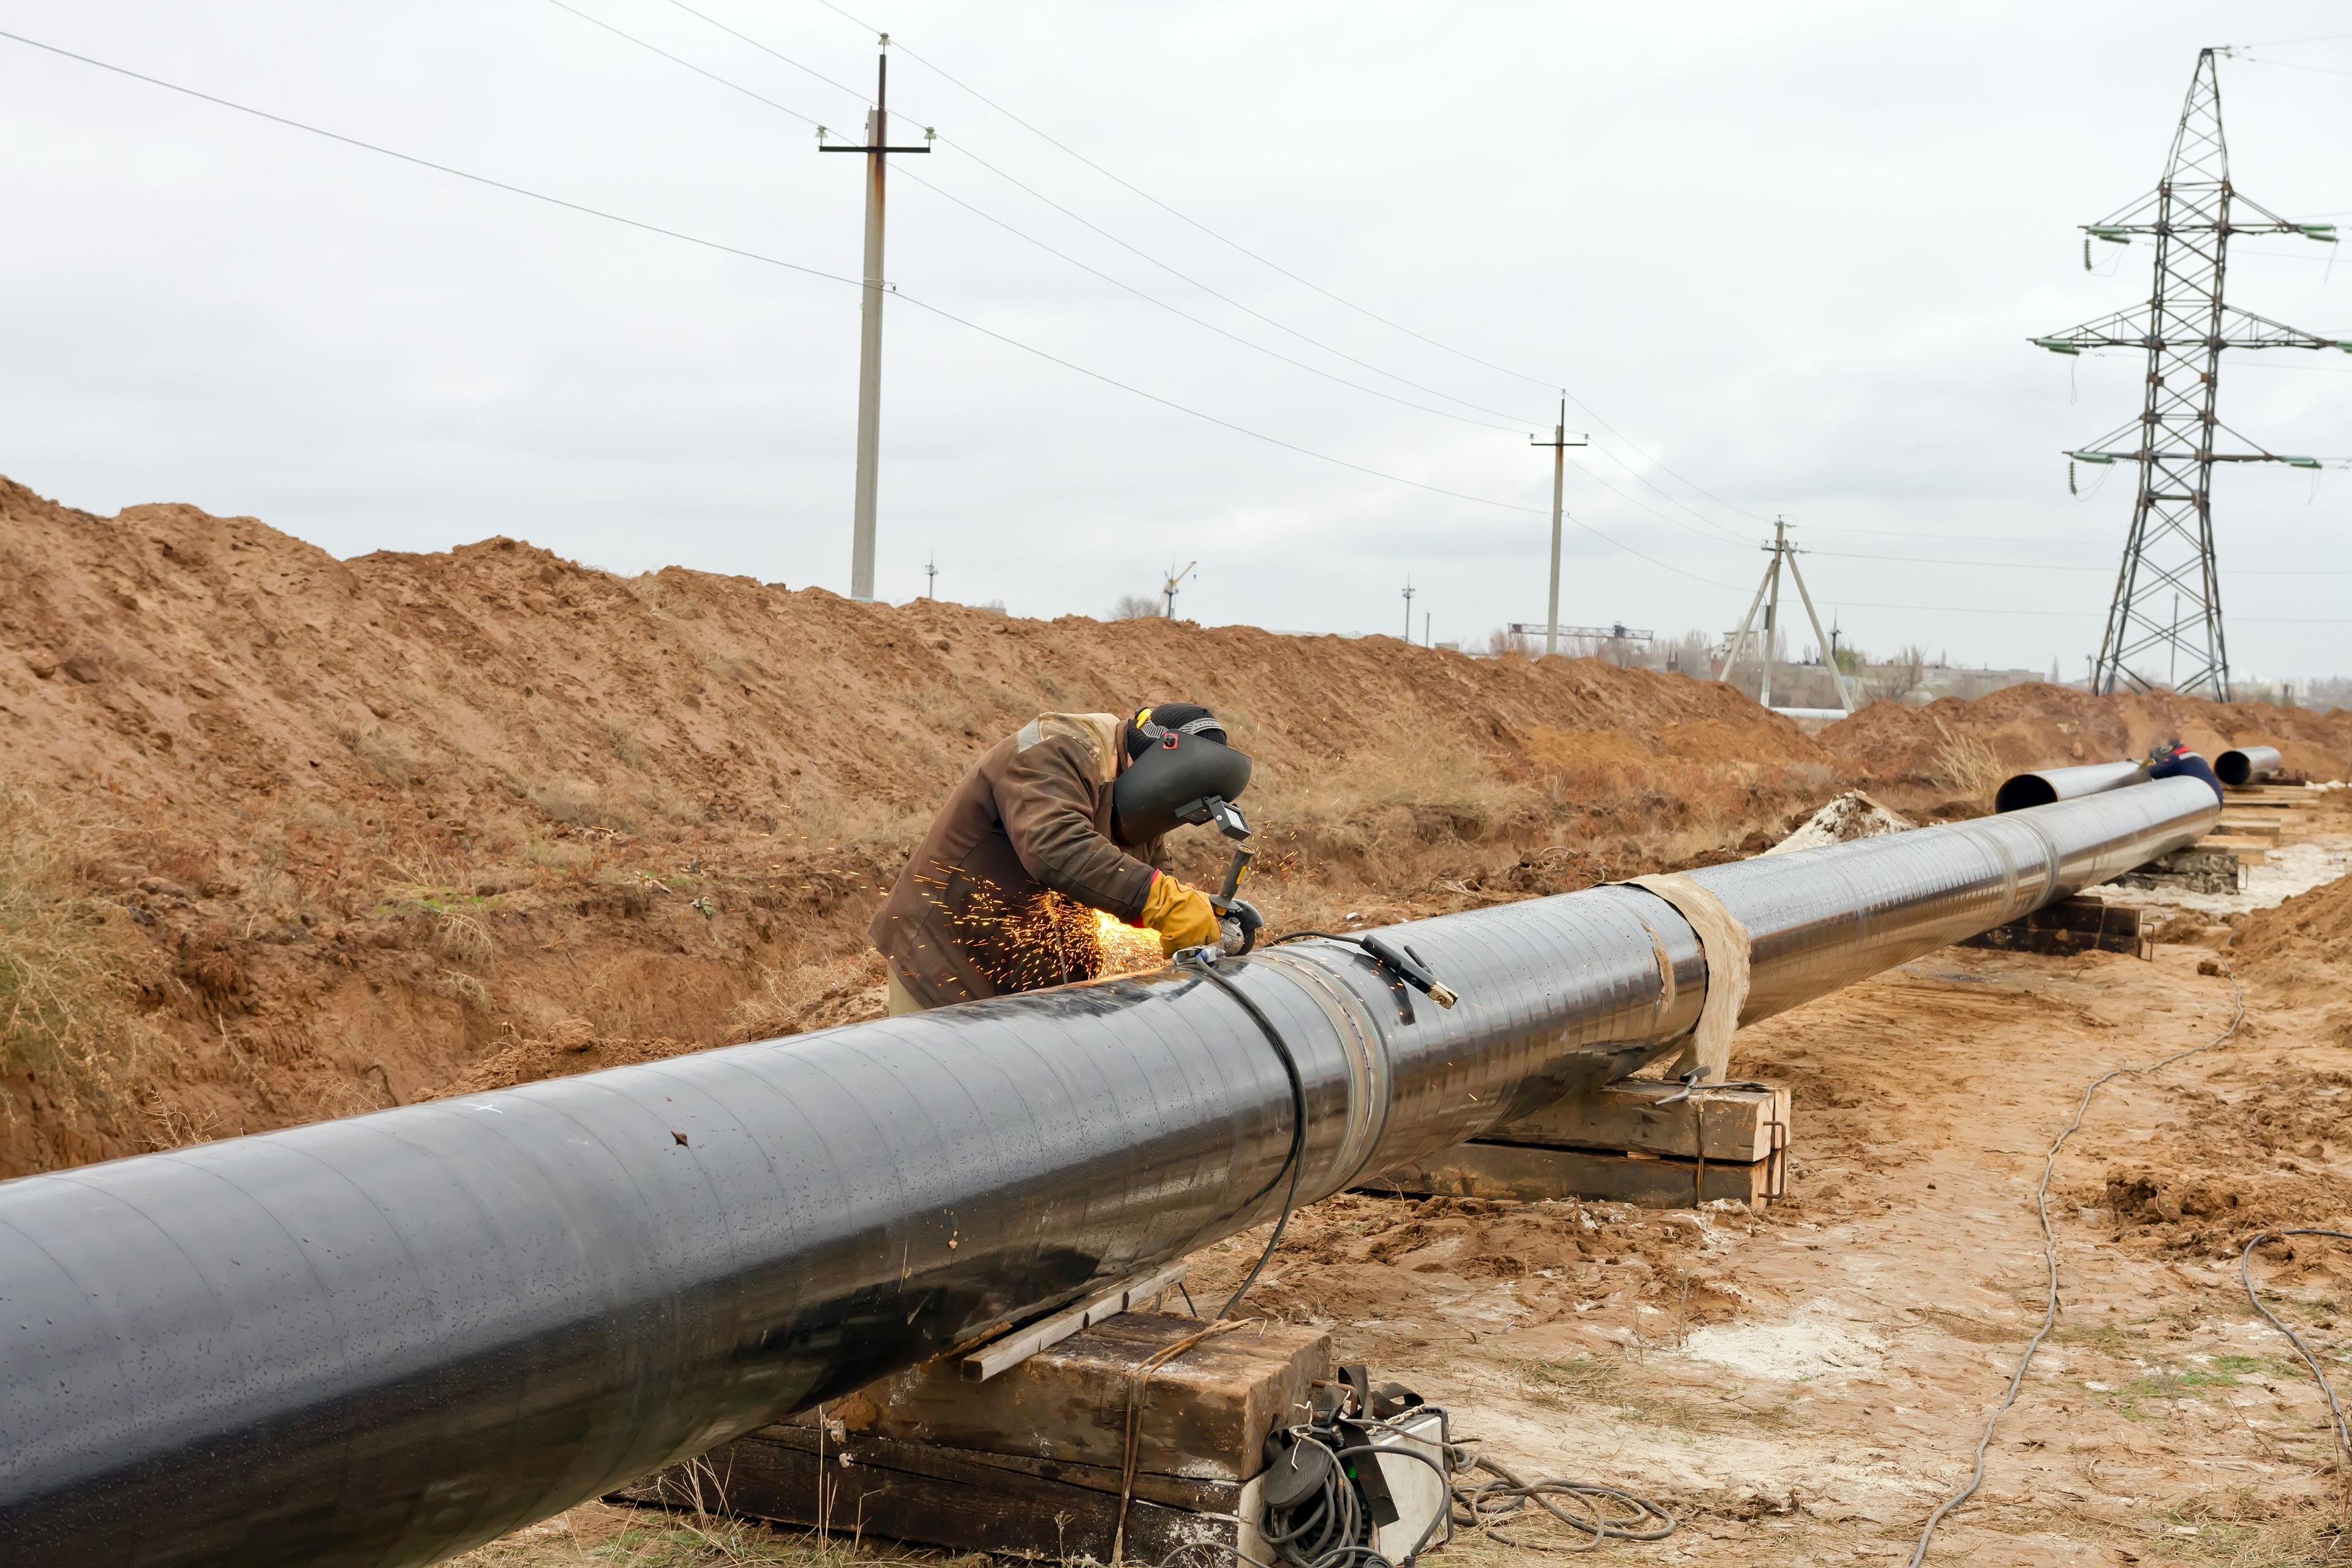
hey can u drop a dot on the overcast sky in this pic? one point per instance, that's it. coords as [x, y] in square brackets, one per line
[1791, 253]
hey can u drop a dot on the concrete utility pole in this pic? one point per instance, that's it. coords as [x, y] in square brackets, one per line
[1408, 609]
[869, 340]
[931, 577]
[1782, 552]
[1560, 444]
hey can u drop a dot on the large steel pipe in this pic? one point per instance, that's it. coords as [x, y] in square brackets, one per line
[387, 1339]
[2247, 764]
[2050, 785]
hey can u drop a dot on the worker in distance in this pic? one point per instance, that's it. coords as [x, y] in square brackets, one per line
[1064, 817]
[2172, 760]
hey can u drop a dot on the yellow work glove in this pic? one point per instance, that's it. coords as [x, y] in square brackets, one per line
[1182, 915]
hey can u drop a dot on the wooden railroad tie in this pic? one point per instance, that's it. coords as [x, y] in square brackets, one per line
[2070, 926]
[1635, 1141]
[1035, 1460]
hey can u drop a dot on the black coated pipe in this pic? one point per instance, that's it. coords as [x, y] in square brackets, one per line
[2049, 786]
[2247, 764]
[387, 1339]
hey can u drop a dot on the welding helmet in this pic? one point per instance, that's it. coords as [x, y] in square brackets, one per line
[1179, 766]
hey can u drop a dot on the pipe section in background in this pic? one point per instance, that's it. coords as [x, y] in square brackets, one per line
[2052, 784]
[386, 1338]
[2247, 764]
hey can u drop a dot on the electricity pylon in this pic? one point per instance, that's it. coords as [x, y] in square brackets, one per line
[2184, 327]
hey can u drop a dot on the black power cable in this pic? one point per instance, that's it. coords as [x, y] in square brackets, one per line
[1203, 962]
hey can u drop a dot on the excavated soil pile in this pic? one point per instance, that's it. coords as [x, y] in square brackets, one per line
[2304, 945]
[344, 834]
[300, 837]
[1955, 745]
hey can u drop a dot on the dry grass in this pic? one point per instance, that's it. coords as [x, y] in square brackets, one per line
[2250, 1527]
[599, 1535]
[68, 964]
[1965, 765]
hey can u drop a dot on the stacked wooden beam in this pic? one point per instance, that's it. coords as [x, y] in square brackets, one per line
[1635, 1141]
[2071, 926]
[1035, 1461]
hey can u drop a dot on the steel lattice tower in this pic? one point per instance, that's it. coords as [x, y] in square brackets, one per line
[2168, 557]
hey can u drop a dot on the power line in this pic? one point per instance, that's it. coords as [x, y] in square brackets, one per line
[687, 64]
[495, 184]
[2282, 43]
[1547, 383]
[2064, 566]
[1196, 320]
[723, 248]
[771, 103]
[857, 93]
[1173, 309]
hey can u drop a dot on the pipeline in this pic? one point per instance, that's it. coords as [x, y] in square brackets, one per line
[2052, 784]
[2247, 764]
[387, 1339]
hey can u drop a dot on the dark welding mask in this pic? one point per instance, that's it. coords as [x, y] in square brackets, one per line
[1179, 774]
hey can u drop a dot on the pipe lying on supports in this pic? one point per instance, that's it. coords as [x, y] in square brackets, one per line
[2248, 764]
[2052, 784]
[387, 1339]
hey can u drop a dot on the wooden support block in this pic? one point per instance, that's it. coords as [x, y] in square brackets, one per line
[2069, 926]
[1206, 1414]
[960, 1498]
[2250, 827]
[1526, 1174]
[1735, 1125]
[1030, 1461]
[2248, 851]
[1019, 1345]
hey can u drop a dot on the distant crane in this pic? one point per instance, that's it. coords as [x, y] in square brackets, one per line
[1168, 588]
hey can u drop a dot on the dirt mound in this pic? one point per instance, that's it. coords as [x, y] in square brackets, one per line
[378, 819]
[2021, 728]
[2302, 944]
[349, 829]
[2249, 1151]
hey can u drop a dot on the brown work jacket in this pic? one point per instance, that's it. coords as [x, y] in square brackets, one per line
[986, 906]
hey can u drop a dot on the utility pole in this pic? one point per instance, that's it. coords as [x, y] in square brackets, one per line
[1408, 608]
[1782, 553]
[1560, 444]
[870, 340]
[1425, 641]
[931, 576]
[2184, 327]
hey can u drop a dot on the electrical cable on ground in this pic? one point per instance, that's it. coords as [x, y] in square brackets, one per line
[2050, 1257]
[2342, 1433]
[1484, 1504]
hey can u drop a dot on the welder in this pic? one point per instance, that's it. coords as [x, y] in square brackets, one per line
[2174, 761]
[1064, 817]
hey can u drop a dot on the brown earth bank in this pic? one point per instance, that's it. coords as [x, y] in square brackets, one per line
[283, 837]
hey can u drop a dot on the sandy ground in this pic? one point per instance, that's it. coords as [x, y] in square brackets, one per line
[1804, 1385]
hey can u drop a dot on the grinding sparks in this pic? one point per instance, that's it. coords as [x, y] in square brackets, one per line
[1048, 940]
[1126, 948]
